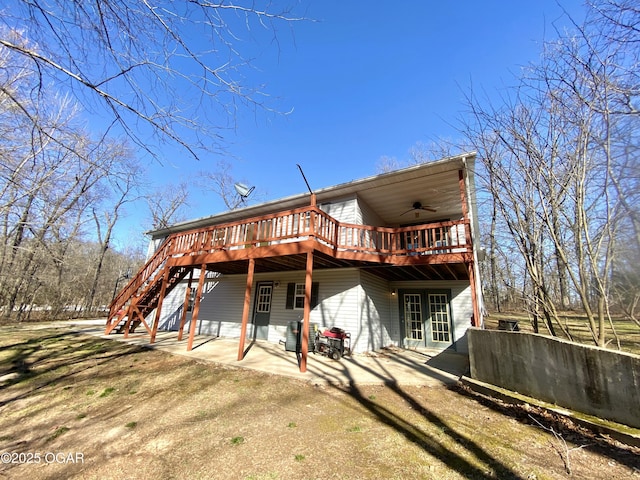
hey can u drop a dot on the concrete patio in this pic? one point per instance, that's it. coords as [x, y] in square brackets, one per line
[394, 365]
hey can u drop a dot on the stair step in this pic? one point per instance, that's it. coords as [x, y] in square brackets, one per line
[148, 292]
[132, 327]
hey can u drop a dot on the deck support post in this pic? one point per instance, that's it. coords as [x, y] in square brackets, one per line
[304, 351]
[245, 310]
[130, 309]
[185, 307]
[475, 321]
[196, 307]
[465, 209]
[163, 290]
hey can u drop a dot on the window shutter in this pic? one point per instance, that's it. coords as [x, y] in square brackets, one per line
[291, 291]
[314, 294]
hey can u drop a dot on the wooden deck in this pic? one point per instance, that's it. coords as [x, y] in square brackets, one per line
[290, 240]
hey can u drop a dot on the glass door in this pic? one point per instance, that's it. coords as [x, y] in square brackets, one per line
[413, 320]
[440, 333]
[425, 318]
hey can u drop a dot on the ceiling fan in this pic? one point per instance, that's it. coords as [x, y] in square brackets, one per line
[418, 206]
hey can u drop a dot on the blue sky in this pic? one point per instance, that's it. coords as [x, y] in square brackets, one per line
[365, 80]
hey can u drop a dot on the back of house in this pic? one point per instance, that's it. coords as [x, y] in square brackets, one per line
[391, 259]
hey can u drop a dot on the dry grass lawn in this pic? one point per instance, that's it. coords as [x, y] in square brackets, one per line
[88, 408]
[622, 335]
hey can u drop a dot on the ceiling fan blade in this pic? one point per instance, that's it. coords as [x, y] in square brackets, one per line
[429, 209]
[410, 210]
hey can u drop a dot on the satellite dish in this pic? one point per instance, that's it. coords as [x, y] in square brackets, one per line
[243, 190]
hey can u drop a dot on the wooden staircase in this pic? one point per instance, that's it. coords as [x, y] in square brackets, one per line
[142, 294]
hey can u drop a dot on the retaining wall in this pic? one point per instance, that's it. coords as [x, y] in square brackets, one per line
[592, 380]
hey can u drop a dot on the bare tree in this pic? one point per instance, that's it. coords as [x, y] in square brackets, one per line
[511, 152]
[222, 182]
[165, 204]
[51, 176]
[553, 158]
[174, 70]
[615, 54]
[168, 70]
[420, 152]
[120, 188]
[387, 164]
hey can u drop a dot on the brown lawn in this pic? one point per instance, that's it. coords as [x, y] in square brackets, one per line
[81, 407]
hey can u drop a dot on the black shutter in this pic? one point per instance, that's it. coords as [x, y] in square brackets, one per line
[314, 294]
[291, 291]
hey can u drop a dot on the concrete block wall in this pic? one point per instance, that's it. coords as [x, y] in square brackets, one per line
[592, 380]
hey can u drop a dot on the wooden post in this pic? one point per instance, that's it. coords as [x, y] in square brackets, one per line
[465, 208]
[312, 224]
[468, 240]
[129, 316]
[196, 307]
[245, 310]
[474, 295]
[307, 313]
[185, 306]
[163, 289]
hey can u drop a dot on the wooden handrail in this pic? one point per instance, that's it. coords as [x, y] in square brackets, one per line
[306, 222]
[296, 225]
[146, 274]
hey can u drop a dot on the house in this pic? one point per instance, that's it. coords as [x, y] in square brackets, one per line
[392, 259]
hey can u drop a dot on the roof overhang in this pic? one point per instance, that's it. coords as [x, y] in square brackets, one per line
[389, 195]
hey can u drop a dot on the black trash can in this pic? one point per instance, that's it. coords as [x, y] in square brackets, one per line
[293, 339]
[508, 325]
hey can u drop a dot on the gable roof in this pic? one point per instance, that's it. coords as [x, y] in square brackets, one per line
[389, 195]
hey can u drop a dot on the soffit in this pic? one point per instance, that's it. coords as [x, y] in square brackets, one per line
[389, 196]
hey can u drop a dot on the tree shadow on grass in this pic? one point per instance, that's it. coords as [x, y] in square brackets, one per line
[561, 427]
[30, 360]
[431, 444]
[486, 465]
[436, 447]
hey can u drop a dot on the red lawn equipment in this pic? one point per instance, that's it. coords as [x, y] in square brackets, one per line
[334, 343]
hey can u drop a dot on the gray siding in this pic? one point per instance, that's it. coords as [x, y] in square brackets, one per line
[222, 303]
[353, 300]
[376, 328]
[154, 244]
[171, 309]
[221, 306]
[367, 215]
[343, 209]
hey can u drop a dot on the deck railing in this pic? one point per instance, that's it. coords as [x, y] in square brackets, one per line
[298, 225]
[311, 222]
[145, 276]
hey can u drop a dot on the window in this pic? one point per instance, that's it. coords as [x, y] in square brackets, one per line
[295, 295]
[263, 303]
[298, 299]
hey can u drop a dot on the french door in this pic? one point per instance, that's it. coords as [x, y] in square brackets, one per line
[425, 318]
